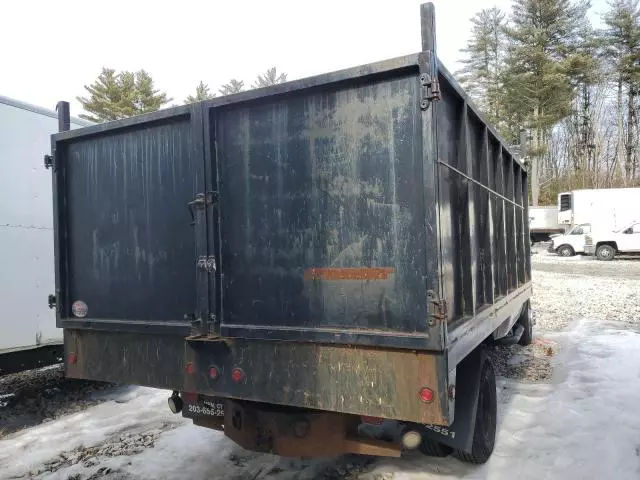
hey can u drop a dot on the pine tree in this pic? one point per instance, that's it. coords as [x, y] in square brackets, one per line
[269, 78]
[233, 86]
[120, 95]
[621, 48]
[202, 93]
[483, 62]
[543, 63]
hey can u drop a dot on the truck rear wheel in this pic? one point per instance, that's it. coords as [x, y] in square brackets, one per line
[433, 448]
[484, 434]
[605, 252]
[526, 320]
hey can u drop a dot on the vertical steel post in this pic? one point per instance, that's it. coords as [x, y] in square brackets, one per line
[64, 117]
[428, 27]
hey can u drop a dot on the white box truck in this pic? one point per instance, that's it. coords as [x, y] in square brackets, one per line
[543, 222]
[28, 333]
[604, 209]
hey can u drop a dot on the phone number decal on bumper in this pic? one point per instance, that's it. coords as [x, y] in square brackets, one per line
[214, 411]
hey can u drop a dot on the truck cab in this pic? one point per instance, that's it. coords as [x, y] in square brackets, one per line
[571, 242]
[606, 245]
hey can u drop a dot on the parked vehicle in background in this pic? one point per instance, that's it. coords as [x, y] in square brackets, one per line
[606, 245]
[335, 266]
[580, 211]
[610, 208]
[571, 242]
[28, 333]
[543, 222]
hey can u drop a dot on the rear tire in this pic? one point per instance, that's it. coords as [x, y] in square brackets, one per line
[605, 253]
[565, 251]
[484, 434]
[432, 448]
[526, 320]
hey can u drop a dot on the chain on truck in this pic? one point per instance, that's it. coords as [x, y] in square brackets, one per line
[302, 265]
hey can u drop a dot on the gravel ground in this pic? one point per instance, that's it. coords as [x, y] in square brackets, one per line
[566, 290]
[36, 396]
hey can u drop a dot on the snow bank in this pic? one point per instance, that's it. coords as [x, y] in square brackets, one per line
[583, 425]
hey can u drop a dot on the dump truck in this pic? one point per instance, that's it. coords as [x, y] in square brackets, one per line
[28, 334]
[298, 262]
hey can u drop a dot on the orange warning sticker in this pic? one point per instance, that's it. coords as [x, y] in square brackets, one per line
[371, 273]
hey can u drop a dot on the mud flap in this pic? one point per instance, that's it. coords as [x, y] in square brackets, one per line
[459, 435]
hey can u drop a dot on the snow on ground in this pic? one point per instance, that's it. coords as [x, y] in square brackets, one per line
[575, 420]
[582, 425]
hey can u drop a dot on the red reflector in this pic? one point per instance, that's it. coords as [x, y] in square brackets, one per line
[371, 420]
[72, 359]
[237, 375]
[426, 395]
[214, 373]
[190, 368]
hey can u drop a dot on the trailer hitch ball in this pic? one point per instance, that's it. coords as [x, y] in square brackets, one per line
[175, 403]
[411, 439]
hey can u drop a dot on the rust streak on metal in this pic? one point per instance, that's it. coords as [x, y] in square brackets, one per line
[366, 273]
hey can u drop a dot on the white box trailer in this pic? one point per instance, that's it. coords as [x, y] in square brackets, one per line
[28, 333]
[604, 209]
[543, 222]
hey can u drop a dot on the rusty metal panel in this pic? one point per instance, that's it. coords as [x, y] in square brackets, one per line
[348, 379]
[125, 358]
[321, 218]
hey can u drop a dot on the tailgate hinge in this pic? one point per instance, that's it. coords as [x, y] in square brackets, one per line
[50, 162]
[436, 309]
[430, 90]
[53, 303]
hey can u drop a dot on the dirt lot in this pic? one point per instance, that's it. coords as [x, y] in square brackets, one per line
[552, 406]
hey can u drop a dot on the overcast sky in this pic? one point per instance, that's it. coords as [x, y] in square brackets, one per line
[51, 49]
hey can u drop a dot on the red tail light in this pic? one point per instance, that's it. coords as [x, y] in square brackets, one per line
[72, 359]
[237, 375]
[214, 373]
[426, 395]
[190, 368]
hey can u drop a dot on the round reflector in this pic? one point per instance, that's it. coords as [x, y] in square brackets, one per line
[190, 368]
[237, 375]
[426, 395]
[72, 359]
[214, 373]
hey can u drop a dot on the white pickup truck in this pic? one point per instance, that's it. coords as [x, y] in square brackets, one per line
[571, 242]
[606, 245]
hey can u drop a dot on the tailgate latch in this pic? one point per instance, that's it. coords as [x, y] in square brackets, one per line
[201, 201]
[207, 263]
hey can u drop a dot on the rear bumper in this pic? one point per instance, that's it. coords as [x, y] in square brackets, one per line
[376, 382]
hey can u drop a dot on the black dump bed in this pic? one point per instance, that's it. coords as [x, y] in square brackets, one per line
[371, 206]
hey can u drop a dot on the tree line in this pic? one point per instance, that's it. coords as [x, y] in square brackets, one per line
[116, 95]
[572, 88]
